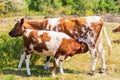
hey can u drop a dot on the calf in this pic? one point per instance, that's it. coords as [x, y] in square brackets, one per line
[48, 43]
[116, 29]
[86, 30]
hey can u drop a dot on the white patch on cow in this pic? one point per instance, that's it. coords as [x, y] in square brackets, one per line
[25, 48]
[92, 19]
[55, 41]
[33, 39]
[40, 33]
[39, 40]
[47, 27]
[31, 46]
[53, 22]
[67, 20]
[71, 31]
[53, 74]
[28, 32]
[83, 29]
[68, 58]
[90, 38]
[62, 58]
[57, 60]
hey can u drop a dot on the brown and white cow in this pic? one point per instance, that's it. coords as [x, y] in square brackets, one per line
[116, 29]
[85, 29]
[49, 43]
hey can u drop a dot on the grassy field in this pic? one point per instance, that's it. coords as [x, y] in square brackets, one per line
[75, 69]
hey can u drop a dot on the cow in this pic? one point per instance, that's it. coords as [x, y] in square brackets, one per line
[116, 29]
[86, 30]
[49, 43]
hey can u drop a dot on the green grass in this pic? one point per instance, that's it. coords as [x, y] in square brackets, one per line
[75, 69]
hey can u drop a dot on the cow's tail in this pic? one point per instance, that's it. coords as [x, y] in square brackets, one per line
[108, 40]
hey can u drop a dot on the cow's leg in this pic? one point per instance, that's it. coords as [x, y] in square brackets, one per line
[21, 61]
[94, 60]
[61, 68]
[46, 67]
[101, 52]
[27, 64]
[55, 63]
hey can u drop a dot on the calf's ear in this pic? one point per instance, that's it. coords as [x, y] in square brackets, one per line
[22, 21]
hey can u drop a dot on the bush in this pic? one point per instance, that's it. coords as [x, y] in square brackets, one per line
[11, 50]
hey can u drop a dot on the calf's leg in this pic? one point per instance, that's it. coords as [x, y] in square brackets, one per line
[27, 60]
[101, 52]
[94, 60]
[47, 63]
[55, 63]
[61, 68]
[21, 61]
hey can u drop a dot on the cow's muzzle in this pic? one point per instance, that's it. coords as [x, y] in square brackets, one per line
[11, 34]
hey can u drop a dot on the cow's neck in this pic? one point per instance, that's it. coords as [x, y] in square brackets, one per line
[35, 25]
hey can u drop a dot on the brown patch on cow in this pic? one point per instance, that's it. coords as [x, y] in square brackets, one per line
[67, 26]
[83, 48]
[33, 39]
[44, 37]
[97, 28]
[42, 46]
[36, 25]
[71, 47]
[68, 46]
[81, 21]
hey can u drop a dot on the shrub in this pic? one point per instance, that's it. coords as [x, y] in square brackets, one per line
[11, 50]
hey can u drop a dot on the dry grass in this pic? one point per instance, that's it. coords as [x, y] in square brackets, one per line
[75, 69]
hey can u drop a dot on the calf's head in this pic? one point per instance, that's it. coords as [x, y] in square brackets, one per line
[18, 29]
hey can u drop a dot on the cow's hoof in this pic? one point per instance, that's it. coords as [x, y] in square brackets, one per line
[28, 74]
[90, 73]
[46, 67]
[53, 74]
[19, 68]
[102, 71]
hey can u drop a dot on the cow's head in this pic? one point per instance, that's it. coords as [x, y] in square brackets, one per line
[116, 29]
[18, 29]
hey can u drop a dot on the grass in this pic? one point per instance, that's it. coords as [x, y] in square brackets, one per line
[75, 69]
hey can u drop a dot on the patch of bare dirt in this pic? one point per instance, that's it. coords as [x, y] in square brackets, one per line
[111, 17]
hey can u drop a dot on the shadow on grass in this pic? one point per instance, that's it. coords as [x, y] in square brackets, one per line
[37, 70]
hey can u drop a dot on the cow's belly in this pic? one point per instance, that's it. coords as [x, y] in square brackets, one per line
[45, 53]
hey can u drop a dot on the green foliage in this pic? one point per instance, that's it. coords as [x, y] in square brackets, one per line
[11, 50]
[11, 77]
[57, 7]
[108, 6]
[8, 7]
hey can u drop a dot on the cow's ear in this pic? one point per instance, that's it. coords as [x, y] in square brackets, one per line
[22, 21]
